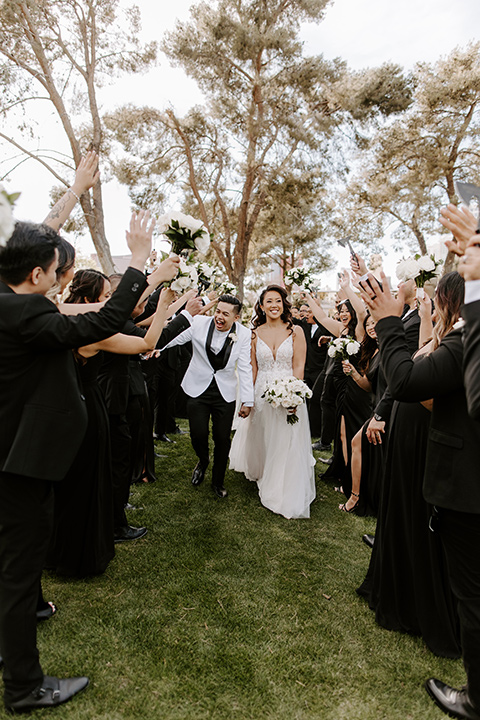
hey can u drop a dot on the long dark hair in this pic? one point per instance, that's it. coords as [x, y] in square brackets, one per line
[368, 348]
[448, 301]
[86, 286]
[66, 257]
[352, 325]
[260, 318]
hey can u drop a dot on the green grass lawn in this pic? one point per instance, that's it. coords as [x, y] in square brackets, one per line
[225, 610]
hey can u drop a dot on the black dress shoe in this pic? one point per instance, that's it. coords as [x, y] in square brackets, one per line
[178, 431]
[368, 540]
[50, 693]
[198, 474]
[163, 438]
[455, 703]
[320, 446]
[47, 612]
[129, 533]
[326, 461]
[219, 491]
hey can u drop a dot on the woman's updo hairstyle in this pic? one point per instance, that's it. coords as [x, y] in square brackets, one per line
[87, 286]
[260, 318]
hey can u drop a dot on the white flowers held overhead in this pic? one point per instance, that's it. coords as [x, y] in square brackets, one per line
[186, 279]
[420, 268]
[302, 277]
[185, 232]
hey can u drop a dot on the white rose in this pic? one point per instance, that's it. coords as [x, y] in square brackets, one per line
[411, 269]
[426, 263]
[331, 351]
[190, 223]
[352, 348]
[202, 242]
[7, 224]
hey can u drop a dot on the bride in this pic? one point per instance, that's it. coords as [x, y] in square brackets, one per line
[265, 447]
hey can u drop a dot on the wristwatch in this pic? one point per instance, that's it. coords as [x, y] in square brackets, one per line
[377, 417]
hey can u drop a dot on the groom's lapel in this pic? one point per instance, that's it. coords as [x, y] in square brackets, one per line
[219, 361]
[229, 343]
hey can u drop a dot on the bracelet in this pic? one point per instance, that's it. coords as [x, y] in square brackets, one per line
[73, 193]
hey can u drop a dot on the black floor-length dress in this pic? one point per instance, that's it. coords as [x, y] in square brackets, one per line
[82, 542]
[406, 583]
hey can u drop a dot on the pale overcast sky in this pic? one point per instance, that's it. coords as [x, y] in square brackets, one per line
[365, 33]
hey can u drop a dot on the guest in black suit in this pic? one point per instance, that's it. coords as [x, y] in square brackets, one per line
[314, 364]
[451, 476]
[42, 424]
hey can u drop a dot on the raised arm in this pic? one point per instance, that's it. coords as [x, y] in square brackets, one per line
[426, 321]
[319, 314]
[356, 302]
[133, 344]
[461, 223]
[86, 176]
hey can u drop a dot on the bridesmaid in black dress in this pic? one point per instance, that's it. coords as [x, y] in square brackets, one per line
[406, 583]
[83, 537]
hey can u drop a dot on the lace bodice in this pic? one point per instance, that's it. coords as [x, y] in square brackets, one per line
[270, 367]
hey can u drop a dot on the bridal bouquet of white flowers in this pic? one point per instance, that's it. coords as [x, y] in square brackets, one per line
[300, 277]
[187, 278]
[289, 393]
[184, 232]
[7, 223]
[420, 268]
[343, 348]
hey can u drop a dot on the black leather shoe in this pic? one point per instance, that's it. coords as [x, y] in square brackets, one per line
[219, 491]
[320, 446]
[50, 693]
[178, 431]
[368, 540]
[326, 461]
[129, 533]
[455, 703]
[47, 612]
[198, 474]
[163, 438]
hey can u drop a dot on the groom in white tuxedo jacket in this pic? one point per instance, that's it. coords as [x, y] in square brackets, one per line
[220, 360]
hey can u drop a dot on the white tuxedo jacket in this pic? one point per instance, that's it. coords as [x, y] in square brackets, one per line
[200, 373]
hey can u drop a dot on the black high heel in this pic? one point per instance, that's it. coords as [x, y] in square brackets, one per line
[343, 507]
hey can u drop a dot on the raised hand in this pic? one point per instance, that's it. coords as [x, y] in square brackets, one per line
[87, 173]
[139, 239]
[357, 265]
[461, 223]
[194, 306]
[381, 302]
[469, 265]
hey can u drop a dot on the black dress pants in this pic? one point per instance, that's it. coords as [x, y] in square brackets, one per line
[26, 521]
[211, 404]
[460, 533]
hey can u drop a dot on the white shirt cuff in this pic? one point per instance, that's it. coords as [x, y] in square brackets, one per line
[187, 315]
[472, 291]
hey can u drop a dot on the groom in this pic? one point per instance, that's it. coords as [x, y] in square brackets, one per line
[221, 353]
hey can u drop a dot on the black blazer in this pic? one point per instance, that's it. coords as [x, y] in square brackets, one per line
[453, 451]
[471, 357]
[42, 411]
[316, 355]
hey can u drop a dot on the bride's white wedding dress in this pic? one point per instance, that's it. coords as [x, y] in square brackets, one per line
[269, 450]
